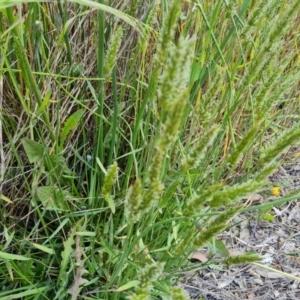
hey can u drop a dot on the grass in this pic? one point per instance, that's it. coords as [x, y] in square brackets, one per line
[131, 133]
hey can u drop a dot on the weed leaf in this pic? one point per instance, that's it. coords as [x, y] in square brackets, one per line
[128, 285]
[70, 125]
[44, 248]
[12, 256]
[34, 150]
[4, 198]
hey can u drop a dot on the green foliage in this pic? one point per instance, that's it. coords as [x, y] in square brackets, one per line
[110, 178]
[9, 256]
[178, 293]
[112, 51]
[282, 142]
[242, 259]
[134, 207]
[198, 152]
[34, 150]
[123, 157]
[70, 125]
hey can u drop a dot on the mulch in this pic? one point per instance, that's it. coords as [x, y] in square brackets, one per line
[277, 241]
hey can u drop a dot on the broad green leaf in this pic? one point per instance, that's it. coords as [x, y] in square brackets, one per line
[221, 248]
[34, 150]
[12, 256]
[70, 125]
[46, 195]
[44, 248]
[51, 198]
[217, 247]
[128, 285]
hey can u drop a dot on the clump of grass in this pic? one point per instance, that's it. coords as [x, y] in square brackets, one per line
[131, 134]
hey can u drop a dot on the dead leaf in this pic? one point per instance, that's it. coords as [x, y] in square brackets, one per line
[276, 294]
[76, 288]
[198, 255]
[225, 281]
[255, 199]
[258, 281]
[251, 296]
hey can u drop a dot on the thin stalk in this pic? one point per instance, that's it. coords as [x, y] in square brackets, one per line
[115, 116]
[100, 65]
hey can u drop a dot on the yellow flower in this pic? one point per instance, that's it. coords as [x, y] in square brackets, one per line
[297, 154]
[276, 191]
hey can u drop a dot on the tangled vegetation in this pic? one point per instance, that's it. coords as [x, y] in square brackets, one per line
[132, 132]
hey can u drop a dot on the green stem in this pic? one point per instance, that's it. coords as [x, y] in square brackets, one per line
[115, 116]
[100, 57]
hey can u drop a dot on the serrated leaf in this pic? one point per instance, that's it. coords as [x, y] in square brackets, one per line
[66, 254]
[12, 256]
[62, 279]
[76, 288]
[27, 268]
[34, 150]
[44, 248]
[70, 125]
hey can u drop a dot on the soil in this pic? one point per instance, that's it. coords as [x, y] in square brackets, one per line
[275, 236]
